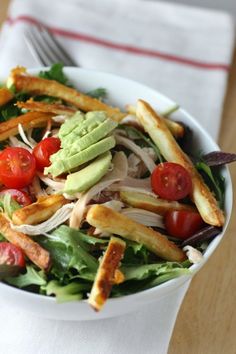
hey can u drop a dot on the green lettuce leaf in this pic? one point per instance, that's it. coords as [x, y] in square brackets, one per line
[8, 204]
[148, 270]
[170, 110]
[214, 180]
[64, 293]
[136, 253]
[68, 252]
[55, 73]
[100, 93]
[138, 278]
[162, 278]
[31, 277]
[10, 110]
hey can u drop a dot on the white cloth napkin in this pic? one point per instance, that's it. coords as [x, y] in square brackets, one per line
[184, 53]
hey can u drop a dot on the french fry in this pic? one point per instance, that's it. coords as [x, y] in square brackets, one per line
[176, 129]
[106, 273]
[5, 96]
[28, 120]
[39, 211]
[156, 205]
[33, 250]
[169, 148]
[110, 221]
[38, 86]
[55, 108]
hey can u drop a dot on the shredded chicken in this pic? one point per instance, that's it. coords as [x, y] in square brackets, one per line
[129, 144]
[120, 188]
[131, 120]
[48, 130]
[144, 183]
[193, 254]
[143, 217]
[60, 118]
[36, 189]
[118, 173]
[137, 167]
[55, 185]
[24, 137]
[29, 137]
[17, 143]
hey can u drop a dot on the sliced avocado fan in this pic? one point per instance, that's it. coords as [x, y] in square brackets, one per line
[83, 138]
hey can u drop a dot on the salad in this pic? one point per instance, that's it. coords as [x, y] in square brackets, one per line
[96, 202]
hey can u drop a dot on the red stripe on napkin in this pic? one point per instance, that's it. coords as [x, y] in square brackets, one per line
[123, 47]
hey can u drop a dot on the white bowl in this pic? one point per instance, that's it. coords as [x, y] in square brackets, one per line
[121, 92]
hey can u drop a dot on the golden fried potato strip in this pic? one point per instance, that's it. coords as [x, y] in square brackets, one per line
[28, 120]
[5, 96]
[38, 86]
[106, 273]
[156, 205]
[39, 211]
[176, 128]
[110, 221]
[169, 148]
[55, 108]
[33, 250]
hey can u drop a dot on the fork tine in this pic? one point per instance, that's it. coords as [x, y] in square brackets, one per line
[45, 51]
[34, 49]
[56, 48]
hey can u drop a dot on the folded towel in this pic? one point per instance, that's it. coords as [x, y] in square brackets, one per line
[183, 52]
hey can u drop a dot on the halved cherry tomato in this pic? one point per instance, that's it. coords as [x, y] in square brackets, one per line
[11, 255]
[44, 150]
[171, 181]
[17, 167]
[20, 197]
[182, 224]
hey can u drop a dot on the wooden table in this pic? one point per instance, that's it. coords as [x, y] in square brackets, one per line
[206, 324]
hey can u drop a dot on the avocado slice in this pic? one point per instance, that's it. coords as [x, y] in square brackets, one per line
[87, 177]
[91, 121]
[70, 124]
[87, 140]
[71, 162]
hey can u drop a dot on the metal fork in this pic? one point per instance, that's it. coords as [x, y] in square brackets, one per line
[45, 48]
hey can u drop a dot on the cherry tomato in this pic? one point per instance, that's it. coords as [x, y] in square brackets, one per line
[11, 255]
[171, 181]
[44, 150]
[182, 224]
[20, 197]
[17, 167]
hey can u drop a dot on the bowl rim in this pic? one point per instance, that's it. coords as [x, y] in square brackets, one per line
[176, 282]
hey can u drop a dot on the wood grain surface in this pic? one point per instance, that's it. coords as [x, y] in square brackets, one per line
[206, 323]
